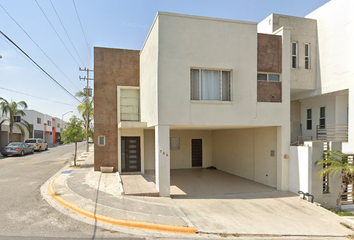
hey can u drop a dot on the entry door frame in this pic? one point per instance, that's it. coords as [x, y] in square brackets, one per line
[197, 152]
[126, 153]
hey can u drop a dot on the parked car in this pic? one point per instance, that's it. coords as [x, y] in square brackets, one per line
[17, 148]
[38, 143]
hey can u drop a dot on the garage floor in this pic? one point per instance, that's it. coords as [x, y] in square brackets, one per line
[206, 182]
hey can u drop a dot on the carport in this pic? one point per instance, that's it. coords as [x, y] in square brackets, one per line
[191, 183]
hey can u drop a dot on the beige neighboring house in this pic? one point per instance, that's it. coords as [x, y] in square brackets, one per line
[231, 94]
[16, 135]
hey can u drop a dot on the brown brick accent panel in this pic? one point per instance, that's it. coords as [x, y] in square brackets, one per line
[269, 53]
[269, 91]
[112, 68]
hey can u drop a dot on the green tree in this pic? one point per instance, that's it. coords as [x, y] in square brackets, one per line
[336, 162]
[82, 108]
[74, 133]
[11, 109]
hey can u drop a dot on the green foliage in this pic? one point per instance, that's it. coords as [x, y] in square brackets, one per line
[74, 131]
[11, 109]
[336, 162]
[343, 213]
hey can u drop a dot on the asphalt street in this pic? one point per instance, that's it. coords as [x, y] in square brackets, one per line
[24, 214]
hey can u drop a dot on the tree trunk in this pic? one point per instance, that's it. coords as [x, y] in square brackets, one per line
[11, 128]
[75, 154]
[339, 197]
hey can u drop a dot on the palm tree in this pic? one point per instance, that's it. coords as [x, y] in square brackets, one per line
[337, 162]
[82, 108]
[11, 109]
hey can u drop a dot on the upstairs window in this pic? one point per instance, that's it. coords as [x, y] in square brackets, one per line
[17, 118]
[39, 120]
[307, 56]
[49, 123]
[129, 105]
[295, 53]
[322, 117]
[268, 77]
[210, 85]
[309, 119]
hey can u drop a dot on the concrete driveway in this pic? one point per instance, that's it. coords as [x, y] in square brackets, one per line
[215, 201]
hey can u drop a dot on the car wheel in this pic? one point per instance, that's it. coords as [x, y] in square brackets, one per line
[40, 149]
[4, 155]
[22, 153]
[46, 148]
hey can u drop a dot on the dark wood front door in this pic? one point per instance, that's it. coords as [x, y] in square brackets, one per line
[197, 153]
[131, 154]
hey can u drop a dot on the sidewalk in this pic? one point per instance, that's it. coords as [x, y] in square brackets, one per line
[95, 198]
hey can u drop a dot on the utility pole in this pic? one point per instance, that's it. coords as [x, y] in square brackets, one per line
[88, 93]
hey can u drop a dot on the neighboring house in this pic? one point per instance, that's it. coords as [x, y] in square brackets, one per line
[5, 134]
[44, 126]
[231, 94]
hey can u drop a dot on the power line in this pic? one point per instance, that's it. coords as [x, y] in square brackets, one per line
[57, 33]
[66, 32]
[39, 66]
[37, 97]
[38, 47]
[82, 29]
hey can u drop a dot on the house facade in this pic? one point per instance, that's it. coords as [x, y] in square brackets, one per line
[230, 94]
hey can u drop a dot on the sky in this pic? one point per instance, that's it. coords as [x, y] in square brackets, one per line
[83, 24]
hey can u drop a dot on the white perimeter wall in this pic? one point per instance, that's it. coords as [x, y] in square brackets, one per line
[299, 169]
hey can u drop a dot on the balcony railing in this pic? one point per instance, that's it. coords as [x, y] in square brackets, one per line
[332, 132]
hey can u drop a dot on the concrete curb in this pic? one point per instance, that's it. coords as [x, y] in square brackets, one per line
[118, 222]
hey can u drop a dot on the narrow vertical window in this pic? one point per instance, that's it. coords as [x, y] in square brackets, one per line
[309, 119]
[307, 56]
[101, 141]
[322, 117]
[295, 55]
[195, 84]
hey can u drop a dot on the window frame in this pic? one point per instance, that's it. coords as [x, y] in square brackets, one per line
[220, 81]
[309, 119]
[104, 141]
[296, 55]
[179, 143]
[308, 56]
[119, 89]
[40, 120]
[49, 123]
[322, 118]
[17, 119]
[267, 74]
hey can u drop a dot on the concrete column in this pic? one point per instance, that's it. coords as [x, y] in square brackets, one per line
[162, 160]
[283, 155]
[350, 148]
[119, 150]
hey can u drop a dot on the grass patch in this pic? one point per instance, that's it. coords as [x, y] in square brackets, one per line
[343, 213]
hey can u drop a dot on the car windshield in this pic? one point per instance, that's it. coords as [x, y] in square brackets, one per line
[13, 144]
[30, 141]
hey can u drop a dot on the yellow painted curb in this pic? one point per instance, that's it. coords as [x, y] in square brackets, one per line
[119, 222]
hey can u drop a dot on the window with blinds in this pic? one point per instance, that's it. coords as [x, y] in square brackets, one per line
[129, 105]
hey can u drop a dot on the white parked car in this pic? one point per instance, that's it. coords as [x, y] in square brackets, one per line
[38, 143]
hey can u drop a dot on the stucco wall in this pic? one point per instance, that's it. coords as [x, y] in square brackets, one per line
[112, 67]
[336, 110]
[180, 158]
[295, 120]
[189, 41]
[149, 61]
[247, 153]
